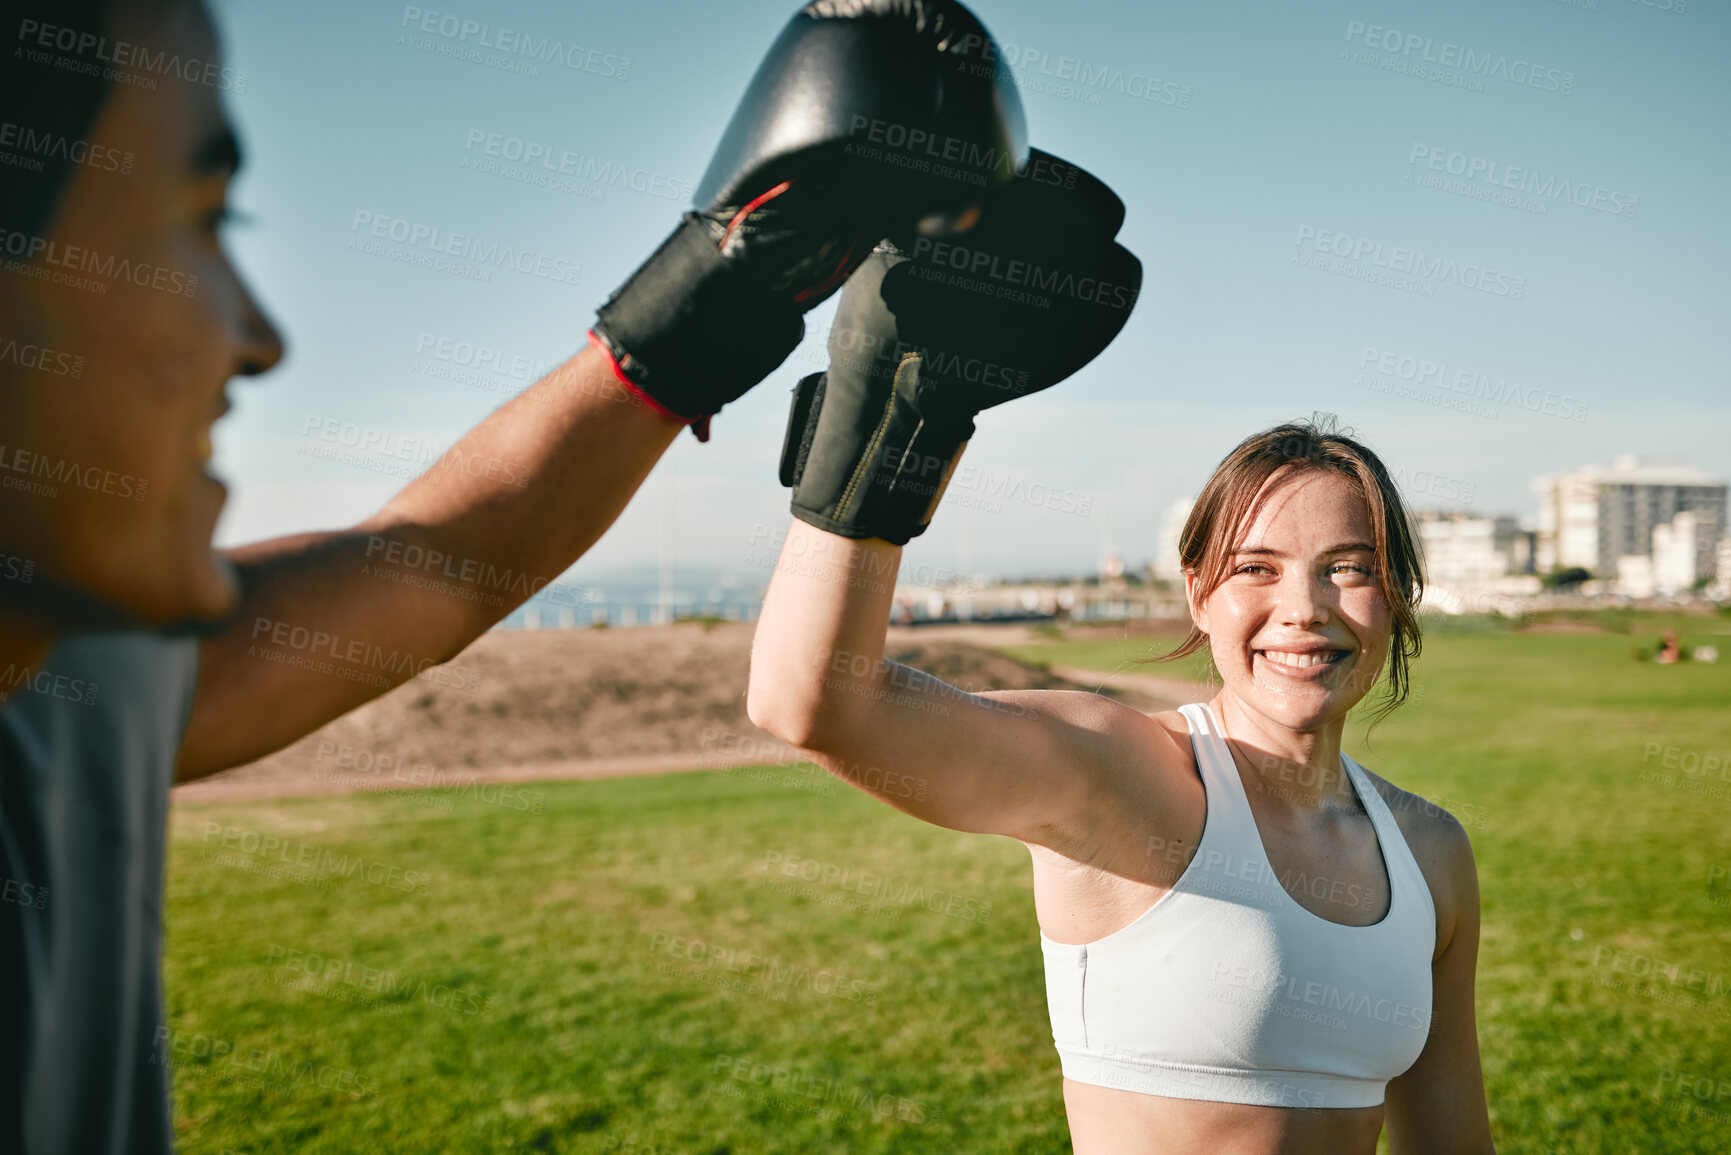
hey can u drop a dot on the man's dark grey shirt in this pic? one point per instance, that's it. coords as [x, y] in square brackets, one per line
[87, 752]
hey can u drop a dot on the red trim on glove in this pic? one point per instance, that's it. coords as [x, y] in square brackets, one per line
[837, 275]
[751, 205]
[699, 425]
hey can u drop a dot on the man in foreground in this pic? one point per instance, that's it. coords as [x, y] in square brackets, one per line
[133, 655]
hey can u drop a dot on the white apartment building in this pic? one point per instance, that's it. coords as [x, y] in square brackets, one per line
[1599, 514]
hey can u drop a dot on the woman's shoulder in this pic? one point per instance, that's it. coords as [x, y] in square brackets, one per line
[1418, 817]
[1439, 844]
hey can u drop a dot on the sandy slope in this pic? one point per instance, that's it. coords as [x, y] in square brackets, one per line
[594, 703]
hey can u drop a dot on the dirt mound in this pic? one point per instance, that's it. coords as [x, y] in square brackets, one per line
[620, 701]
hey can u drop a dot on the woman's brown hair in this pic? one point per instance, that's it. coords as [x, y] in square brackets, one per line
[1229, 503]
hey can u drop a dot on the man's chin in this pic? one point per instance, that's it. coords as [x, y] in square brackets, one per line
[200, 603]
[219, 599]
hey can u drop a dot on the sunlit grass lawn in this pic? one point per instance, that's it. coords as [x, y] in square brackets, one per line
[620, 971]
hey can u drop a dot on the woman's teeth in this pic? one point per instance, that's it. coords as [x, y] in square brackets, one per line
[1302, 661]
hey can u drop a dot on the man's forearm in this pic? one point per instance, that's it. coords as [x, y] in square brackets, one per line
[530, 489]
[506, 509]
[329, 620]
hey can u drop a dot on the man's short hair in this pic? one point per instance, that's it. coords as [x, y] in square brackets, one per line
[50, 98]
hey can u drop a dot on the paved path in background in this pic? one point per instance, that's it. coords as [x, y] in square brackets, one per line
[352, 782]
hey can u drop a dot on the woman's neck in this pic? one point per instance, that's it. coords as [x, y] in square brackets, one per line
[1304, 767]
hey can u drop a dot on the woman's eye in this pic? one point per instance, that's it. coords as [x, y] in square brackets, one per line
[1350, 567]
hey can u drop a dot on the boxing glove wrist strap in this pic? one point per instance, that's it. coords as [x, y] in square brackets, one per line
[691, 330]
[890, 479]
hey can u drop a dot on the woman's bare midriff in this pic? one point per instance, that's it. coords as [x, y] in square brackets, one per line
[1108, 1121]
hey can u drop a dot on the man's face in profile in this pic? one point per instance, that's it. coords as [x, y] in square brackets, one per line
[125, 533]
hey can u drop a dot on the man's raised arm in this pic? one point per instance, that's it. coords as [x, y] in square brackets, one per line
[792, 202]
[330, 620]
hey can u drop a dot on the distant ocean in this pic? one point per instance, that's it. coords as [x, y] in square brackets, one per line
[636, 598]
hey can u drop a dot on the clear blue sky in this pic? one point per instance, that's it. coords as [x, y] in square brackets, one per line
[1279, 136]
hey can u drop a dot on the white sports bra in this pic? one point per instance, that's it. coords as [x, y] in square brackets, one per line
[1226, 989]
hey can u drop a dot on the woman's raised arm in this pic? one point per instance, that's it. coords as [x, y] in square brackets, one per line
[915, 354]
[1025, 763]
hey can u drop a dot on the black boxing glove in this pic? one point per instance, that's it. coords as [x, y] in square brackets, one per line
[926, 338]
[834, 145]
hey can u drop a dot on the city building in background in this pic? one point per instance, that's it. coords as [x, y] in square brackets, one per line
[1167, 566]
[1474, 563]
[1593, 518]
[1719, 589]
[1685, 551]
[1640, 528]
[1467, 547]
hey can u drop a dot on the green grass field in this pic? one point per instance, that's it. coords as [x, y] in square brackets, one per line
[761, 961]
